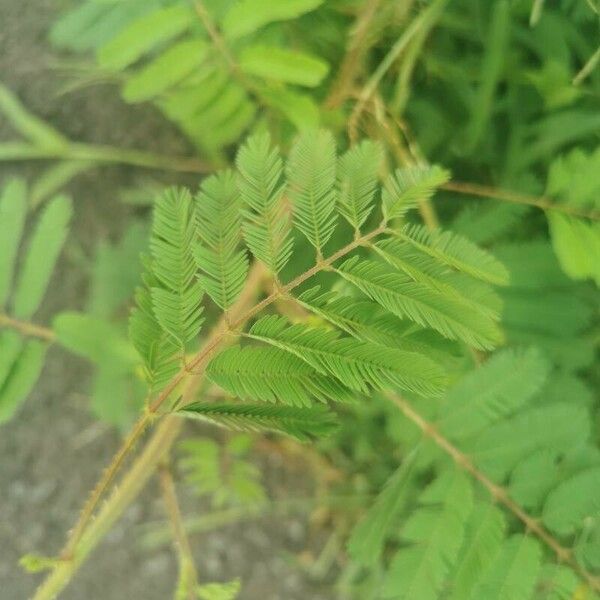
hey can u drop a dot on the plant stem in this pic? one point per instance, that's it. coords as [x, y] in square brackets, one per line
[187, 568]
[131, 485]
[428, 15]
[497, 492]
[27, 328]
[218, 337]
[474, 189]
[99, 153]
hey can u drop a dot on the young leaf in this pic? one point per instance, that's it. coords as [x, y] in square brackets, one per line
[311, 177]
[266, 229]
[42, 252]
[13, 209]
[355, 363]
[219, 591]
[272, 375]
[357, 181]
[248, 16]
[11, 344]
[218, 222]
[22, 378]
[406, 187]
[177, 294]
[280, 64]
[425, 304]
[302, 423]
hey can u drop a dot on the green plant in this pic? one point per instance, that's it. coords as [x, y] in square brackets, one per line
[318, 297]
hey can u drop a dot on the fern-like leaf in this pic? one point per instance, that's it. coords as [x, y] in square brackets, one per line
[457, 252]
[302, 423]
[406, 187]
[357, 181]
[422, 303]
[499, 388]
[272, 375]
[177, 294]
[266, 226]
[434, 533]
[484, 535]
[311, 178]
[355, 363]
[218, 223]
[513, 572]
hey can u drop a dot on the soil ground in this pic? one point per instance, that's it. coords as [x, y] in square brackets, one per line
[53, 451]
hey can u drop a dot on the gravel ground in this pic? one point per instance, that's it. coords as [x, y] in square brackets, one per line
[53, 451]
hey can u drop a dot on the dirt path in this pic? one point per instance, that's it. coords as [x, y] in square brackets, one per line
[53, 451]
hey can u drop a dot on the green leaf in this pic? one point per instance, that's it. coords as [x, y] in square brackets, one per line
[410, 185]
[498, 449]
[93, 338]
[577, 246]
[13, 210]
[368, 536]
[513, 572]
[302, 423]
[483, 537]
[248, 16]
[357, 181]
[42, 253]
[219, 591]
[22, 378]
[177, 294]
[299, 108]
[281, 64]
[219, 227]
[433, 534]
[144, 34]
[272, 375]
[425, 304]
[11, 344]
[496, 390]
[355, 363]
[311, 178]
[456, 252]
[166, 70]
[575, 499]
[266, 226]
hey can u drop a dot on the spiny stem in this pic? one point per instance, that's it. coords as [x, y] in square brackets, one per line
[498, 493]
[182, 544]
[130, 486]
[474, 189]
[27, 328]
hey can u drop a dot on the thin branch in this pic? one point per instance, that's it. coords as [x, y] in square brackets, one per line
[187, 568]
[422, 20]
[358, 45]
[474, 189]
[26, 328]
[498, 493]
[99, 153]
